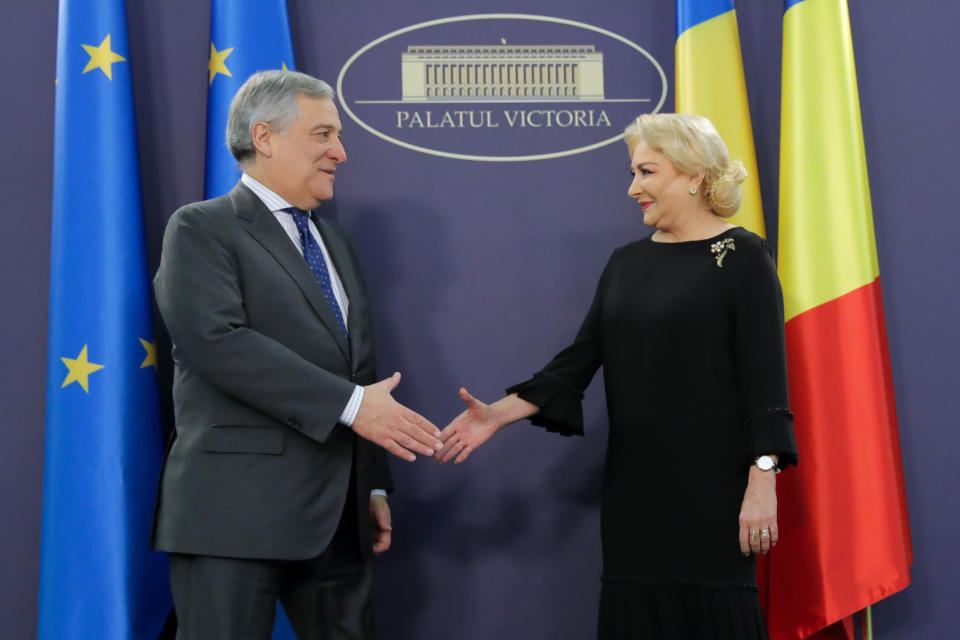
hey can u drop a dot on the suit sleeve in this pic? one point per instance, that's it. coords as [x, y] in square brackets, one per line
[199, 296]
[380, 475]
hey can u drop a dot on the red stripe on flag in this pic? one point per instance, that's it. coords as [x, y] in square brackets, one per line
[842, 630]
[844, 532]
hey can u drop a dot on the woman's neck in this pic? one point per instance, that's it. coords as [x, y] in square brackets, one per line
[698, 225]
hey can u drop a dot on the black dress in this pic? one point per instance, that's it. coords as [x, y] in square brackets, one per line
[690, 336]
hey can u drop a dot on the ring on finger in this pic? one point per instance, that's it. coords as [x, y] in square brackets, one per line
[764, 533]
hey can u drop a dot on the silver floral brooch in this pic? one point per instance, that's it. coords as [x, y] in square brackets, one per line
[720, 248]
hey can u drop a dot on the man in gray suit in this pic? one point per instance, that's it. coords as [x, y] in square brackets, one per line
[274, 486]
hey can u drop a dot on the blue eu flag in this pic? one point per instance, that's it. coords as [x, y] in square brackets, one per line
[98, 577]
[246, 36]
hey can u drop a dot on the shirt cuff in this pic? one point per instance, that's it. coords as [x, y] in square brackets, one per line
[353, 407]
[378, 492]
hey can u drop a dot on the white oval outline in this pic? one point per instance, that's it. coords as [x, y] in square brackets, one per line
[492, 16]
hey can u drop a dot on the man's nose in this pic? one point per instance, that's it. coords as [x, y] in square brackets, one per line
[337, 151]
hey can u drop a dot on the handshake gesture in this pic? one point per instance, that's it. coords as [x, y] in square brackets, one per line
[404, 432]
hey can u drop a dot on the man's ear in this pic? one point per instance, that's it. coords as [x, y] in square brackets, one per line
[262, 137]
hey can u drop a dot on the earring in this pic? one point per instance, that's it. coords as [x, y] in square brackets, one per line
[693, 191]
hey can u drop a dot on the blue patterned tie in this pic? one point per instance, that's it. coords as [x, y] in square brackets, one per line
[314, 257]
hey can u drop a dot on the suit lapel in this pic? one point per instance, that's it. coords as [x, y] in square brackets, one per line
[263, 226]
[349, 276]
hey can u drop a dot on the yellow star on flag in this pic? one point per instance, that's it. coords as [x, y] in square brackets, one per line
[151, 359]
[218, 62]
[80, 369]
[102, 57]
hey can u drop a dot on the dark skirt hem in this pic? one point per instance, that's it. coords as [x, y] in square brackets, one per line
[749, 586]
[637, 610]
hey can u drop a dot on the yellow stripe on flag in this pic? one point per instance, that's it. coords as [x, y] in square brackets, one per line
[826, 237]
[710, 83]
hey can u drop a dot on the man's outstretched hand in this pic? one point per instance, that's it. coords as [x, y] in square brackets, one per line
[386, 422]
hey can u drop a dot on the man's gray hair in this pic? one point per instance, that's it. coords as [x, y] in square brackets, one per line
[271, 97]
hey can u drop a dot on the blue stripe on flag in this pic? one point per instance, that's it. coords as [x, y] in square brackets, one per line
[692, 12]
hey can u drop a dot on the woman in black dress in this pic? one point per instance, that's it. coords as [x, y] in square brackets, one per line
[688, 326]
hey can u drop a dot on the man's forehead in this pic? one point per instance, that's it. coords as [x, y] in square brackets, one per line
[318, 111]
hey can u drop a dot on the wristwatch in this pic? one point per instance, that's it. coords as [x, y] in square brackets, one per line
[766, 463]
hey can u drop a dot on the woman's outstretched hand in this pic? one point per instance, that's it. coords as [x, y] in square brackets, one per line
[468, 430]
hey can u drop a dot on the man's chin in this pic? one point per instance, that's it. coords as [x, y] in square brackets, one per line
[322, 195]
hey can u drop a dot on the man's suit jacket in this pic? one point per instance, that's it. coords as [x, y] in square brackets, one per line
[259, 466]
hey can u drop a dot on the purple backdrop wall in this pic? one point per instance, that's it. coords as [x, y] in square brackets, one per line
[480, 274]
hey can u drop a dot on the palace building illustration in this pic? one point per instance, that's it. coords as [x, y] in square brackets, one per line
[536, 73]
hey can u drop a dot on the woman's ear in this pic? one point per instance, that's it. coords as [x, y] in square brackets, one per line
[696, 180]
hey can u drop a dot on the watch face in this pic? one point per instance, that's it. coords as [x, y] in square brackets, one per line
[765, 463]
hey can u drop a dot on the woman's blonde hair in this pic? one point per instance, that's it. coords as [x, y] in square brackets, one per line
[693, 145]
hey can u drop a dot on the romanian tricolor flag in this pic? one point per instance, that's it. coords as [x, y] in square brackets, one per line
[845, 538]
[710, 83]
